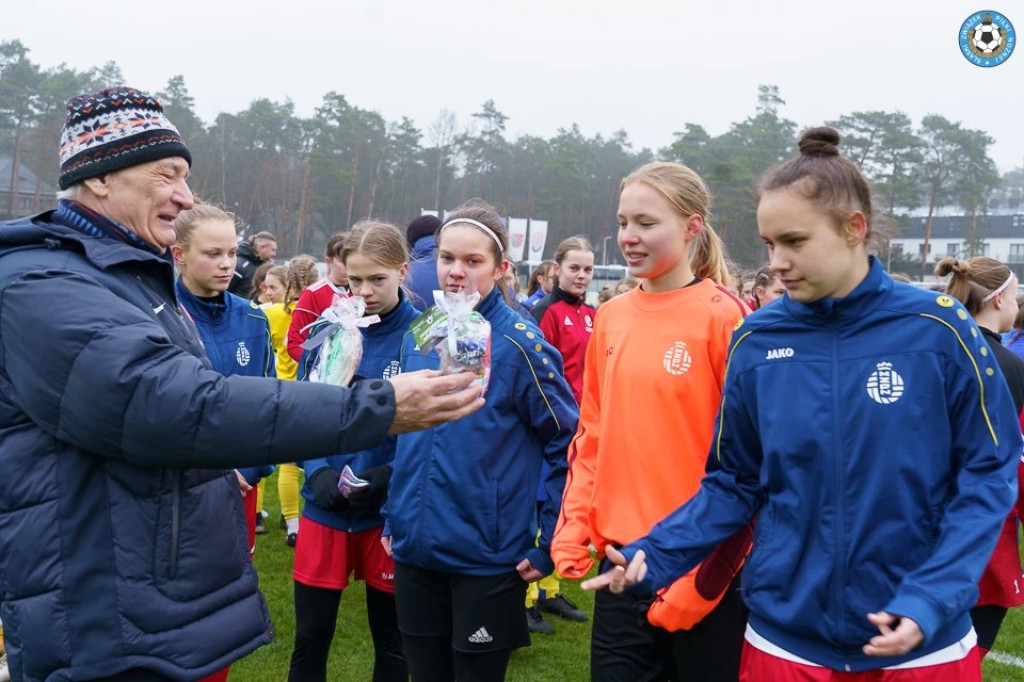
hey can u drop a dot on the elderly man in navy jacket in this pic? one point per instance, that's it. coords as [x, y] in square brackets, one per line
[123, 552]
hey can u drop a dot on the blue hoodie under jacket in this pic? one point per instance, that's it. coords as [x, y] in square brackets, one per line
[114, 554]
[463, 495]
[876, 441]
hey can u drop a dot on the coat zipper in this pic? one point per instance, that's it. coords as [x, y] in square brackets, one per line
[175, 520]
[839, 489]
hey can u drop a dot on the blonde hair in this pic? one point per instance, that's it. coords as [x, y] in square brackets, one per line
[301, 273]
[279, 271]
[378, 240]
[575, 243]
[707, 257]
[185, 223]
[973, 279]
[688, 195]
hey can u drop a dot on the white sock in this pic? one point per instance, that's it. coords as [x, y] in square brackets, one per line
[293, 525]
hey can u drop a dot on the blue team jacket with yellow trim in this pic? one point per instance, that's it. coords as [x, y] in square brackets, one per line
[382, 344]
[463, 495]
[236, 337]
[876, 440]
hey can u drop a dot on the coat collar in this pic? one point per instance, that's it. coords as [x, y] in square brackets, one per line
[853, 307]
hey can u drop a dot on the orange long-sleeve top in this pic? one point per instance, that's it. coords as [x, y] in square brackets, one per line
[652, 386]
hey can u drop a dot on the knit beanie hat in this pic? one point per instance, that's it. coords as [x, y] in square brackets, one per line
[421, 227]
[112, 129]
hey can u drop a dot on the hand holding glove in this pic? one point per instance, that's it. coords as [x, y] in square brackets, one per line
[375, 493]
[324, 484]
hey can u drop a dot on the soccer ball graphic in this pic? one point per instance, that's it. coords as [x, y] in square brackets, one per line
[988, 39]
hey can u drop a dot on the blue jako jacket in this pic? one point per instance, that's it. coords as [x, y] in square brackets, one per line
[463, 495]
[236, 337]
[382, 344]
[122, 537]
[876, 440]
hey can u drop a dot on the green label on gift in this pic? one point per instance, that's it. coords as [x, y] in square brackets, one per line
[425, 327]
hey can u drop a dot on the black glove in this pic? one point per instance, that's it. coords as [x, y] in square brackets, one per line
[376, 493]
[324, 484]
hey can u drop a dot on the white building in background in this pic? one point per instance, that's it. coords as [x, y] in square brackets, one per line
[1000, 235]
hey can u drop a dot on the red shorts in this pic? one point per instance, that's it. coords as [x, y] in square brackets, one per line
[759, 666]
[1001, 583]
[324, 557]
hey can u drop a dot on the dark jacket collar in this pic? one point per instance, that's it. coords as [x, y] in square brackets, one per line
[865, 297]
[560, 294]
[492, 303]
[993, 338]
[394, 318]
[205, 310]
[245, 251]
[103, 251]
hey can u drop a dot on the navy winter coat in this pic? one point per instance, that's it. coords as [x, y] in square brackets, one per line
[113, 554]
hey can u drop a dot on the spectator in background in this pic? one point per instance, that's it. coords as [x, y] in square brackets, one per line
[422, 280]
[541, 283]
[319, 295]
[626, 284]
[767, 287]
[258, 249]
[258, 293]
[287, 284]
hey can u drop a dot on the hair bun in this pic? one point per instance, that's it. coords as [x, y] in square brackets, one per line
[950, 265]
[821, 141]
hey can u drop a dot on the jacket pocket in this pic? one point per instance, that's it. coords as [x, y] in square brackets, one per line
[763, 527]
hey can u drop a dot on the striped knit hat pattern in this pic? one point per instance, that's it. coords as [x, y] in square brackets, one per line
[112, 129]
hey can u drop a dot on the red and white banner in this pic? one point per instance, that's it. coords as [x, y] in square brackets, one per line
[517, 238]
[538, 237]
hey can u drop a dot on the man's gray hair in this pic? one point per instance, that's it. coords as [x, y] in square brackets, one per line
[72, 192]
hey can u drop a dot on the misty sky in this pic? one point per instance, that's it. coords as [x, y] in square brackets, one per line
[645, 67]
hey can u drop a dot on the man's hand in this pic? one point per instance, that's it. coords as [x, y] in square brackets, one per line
[385, 542]
[621, 575]
[902, 639]
[425, 398]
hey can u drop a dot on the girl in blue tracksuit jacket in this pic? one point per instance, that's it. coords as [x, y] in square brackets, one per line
[867, 425]
[234, 331]
[461, 510]
[341, 534]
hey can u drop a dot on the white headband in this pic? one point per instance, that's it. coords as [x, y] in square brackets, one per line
[999, 290]
[474, 223]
